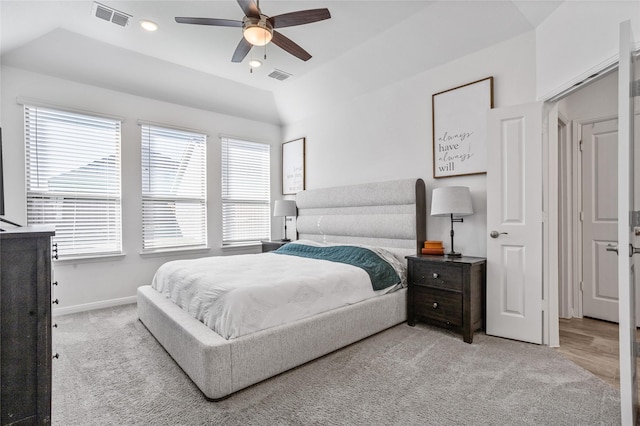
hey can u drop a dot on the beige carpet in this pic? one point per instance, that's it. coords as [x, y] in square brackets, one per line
[111, 371]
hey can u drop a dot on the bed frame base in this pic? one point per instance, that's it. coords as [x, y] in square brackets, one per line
[220, 367]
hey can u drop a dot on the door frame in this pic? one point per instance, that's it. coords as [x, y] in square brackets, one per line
[551, 220]
[566, 217]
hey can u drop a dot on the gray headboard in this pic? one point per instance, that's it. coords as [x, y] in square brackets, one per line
[387, 214]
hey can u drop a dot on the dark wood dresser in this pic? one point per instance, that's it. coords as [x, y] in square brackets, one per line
[447, 292]
[25, 326]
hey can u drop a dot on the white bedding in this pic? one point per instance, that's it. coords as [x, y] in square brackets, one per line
[242, 294]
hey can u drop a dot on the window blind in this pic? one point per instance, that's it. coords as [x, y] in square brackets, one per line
[174, 189]
[246, 191]
[73, 179]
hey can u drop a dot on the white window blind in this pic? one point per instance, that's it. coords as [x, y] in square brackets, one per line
[245, 191]
[174, 189]
[73, 179]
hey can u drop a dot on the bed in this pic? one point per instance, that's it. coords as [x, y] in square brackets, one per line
[391, 215]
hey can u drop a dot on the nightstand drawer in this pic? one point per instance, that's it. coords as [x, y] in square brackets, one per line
[438, 275]
[439, 305]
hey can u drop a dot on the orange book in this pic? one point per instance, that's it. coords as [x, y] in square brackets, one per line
[433, 251]
[433, 244]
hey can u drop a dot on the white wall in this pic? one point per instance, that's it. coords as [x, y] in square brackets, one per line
[578, 38]
[598, 99]
[387, 133]
[87, 284]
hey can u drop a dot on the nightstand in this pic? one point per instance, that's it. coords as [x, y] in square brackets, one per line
[447, 292]
[268, 245]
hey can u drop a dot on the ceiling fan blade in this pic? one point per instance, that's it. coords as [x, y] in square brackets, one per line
[289, 46]
[249, 8]
[241, 51]
[299, 18]
[209, 21]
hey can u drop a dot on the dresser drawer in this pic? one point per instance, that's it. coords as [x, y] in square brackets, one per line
[439, 275]
[435, 304]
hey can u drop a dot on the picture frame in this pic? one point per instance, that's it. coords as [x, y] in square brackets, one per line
[293, 159]
[459, 118]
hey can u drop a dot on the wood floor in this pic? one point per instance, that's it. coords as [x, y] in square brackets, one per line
[593, 345]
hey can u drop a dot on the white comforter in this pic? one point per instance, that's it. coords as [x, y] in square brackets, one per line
[239, 295]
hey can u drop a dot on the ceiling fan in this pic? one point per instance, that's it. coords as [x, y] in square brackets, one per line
[258, 29]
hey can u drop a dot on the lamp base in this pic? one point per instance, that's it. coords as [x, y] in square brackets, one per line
[453, 254]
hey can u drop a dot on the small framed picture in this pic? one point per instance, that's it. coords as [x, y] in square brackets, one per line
[293, 166]
[460, 129]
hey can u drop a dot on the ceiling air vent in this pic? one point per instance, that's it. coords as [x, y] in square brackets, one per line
[110, 14]
[279, 75]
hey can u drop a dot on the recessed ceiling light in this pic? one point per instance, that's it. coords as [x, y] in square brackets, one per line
[255, 63]
[148, 25]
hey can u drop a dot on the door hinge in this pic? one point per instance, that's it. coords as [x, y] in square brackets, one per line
[634, 218]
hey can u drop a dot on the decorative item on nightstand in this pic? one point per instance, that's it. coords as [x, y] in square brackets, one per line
[433, 248]
[449, 201]
[284, 208]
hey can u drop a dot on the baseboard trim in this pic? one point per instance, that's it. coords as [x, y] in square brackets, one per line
[94, 305]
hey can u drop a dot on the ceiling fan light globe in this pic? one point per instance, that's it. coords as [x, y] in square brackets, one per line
[257, 35]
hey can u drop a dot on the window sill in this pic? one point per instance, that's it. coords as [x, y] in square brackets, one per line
[90, 258]
[174, 252]
[241, 246]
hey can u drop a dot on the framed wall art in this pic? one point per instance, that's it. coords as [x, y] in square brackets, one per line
[460, 129]
[293, 166]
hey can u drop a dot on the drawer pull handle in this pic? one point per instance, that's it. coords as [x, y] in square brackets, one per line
[55, 325]
[55, 302]
[56, 356]
[435, 305]
[435, 275]
[54, 249]
[54, 283]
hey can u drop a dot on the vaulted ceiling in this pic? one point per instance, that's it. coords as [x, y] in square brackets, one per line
[365, 45]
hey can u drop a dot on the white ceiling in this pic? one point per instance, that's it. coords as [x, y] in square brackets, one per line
[365, 44]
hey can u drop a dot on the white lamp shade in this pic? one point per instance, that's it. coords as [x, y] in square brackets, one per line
[451, 200]
[284, 208]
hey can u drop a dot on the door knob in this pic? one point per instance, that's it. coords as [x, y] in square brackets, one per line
[612, 247]
[496, 234]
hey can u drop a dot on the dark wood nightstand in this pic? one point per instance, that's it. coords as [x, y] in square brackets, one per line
[268, 245]
[447, 292]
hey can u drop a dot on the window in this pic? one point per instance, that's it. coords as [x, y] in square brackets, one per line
[245, 191]
[73, 179]
[174, 188]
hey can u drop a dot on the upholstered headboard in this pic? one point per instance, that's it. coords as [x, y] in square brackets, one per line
[387, 214]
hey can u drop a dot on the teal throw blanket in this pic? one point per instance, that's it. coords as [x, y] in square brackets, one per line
[381, 273]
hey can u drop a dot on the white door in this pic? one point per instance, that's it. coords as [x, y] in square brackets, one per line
[514, 223]
[600, 219]
[626, 269]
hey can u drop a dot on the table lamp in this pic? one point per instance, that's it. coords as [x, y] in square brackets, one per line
[450, 201]
[284, 208]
